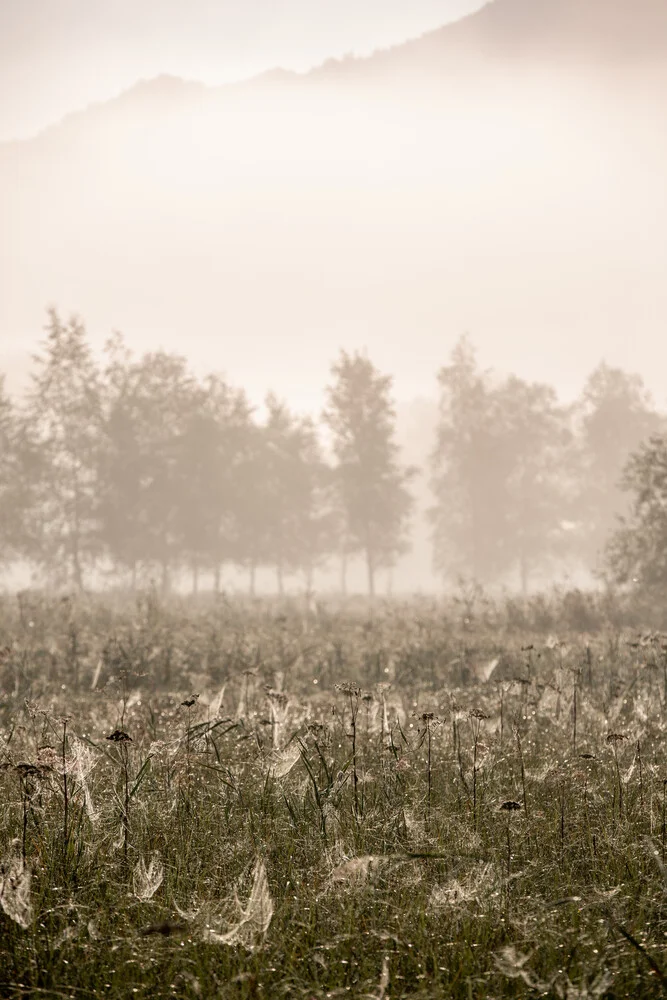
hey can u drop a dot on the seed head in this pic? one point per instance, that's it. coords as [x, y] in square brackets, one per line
[347, 687]
[278, 698]
[118, 736]
[28, 770]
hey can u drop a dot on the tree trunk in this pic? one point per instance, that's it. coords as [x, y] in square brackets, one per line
[371, 573]
[78, 573]
[523, 570]
[343, 573]
[76, 537]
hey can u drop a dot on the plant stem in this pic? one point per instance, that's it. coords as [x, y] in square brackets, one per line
[65, 797]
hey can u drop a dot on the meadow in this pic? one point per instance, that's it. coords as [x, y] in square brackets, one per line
[235, 799]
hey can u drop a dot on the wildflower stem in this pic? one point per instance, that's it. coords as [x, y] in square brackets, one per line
[664, 804]
[354, 706]
[65, 796]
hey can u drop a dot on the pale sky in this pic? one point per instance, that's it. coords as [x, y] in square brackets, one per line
[530, 213]
[58, 56]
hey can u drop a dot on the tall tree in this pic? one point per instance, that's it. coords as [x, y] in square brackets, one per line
[8, 524]
[251, 541]
[150, 404]
[637, 550]
[499, 473]
[615, 414]
[372, 484]
[466, 472]
[64, 412]
[296, 480]
[20, 471]
[121, 463]
[215, 434]
[536, 443]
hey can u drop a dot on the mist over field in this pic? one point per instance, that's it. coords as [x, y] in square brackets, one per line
[500, 176]
[333, 499]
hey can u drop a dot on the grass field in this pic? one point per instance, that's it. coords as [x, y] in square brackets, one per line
[231, 800]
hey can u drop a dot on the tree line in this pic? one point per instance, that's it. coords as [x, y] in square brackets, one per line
[132, 466]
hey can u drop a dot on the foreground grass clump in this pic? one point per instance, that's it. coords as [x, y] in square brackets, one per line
[222, 800]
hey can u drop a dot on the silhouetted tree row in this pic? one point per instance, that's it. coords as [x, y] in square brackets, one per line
[135, 467]
[521, 480]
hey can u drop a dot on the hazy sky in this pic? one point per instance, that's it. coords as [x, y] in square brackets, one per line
[57, 56]
[530, 213]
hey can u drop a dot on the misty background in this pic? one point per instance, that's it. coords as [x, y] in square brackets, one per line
[501, 175]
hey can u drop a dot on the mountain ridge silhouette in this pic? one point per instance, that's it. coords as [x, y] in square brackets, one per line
[504, 36]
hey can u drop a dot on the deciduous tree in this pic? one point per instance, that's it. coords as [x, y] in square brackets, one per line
[372, 484]
[65, 420]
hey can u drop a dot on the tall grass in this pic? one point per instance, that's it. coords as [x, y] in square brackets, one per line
[255, 800]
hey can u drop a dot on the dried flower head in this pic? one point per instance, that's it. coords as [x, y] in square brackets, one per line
[26, 770]
[616, 737]
[278, 698]
[510, 806]
[347, 687]
[47, 757]
[118, 736]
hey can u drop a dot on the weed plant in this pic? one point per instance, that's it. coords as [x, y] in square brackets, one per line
[223, 799]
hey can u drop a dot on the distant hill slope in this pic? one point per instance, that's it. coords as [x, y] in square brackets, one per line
[503, 37]
[517, 192]
[591, 34]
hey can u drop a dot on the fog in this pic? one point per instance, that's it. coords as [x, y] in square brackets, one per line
[385, 205]
[57, 56]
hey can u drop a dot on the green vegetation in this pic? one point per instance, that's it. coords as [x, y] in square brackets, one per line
[245, 800]
[123, 470]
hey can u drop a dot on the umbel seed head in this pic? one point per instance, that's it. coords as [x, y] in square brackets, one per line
[347, 687]
[510, 806]
[118, 736]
